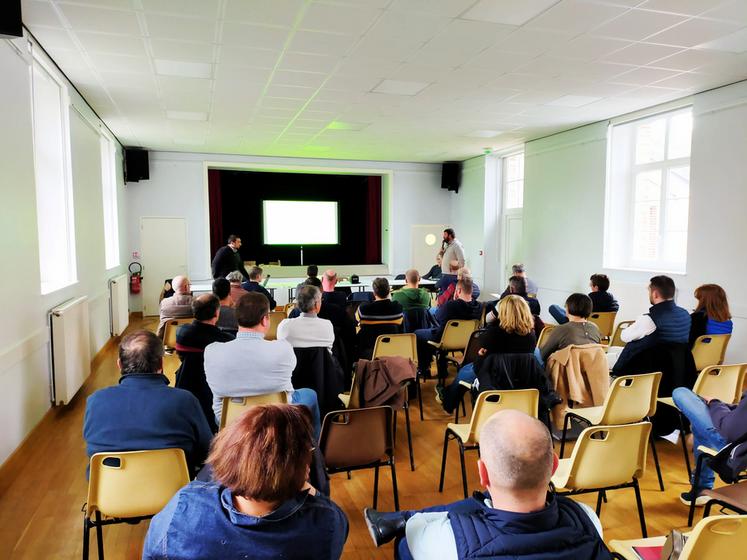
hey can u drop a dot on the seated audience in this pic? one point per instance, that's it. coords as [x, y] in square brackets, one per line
[191, 341]
[665, 322]
[307, 330]
[518, 516]
[711, 315]
[530, 286]
[435, 272]
[260, 504]
[381, 316]
[312, 276]
[177, 306]
[714, 424]
[227, 315]
[142, 412]
[578, 330]
[448, 292]
[254, 284]
[412, 296]
[512, 333]
[329, 294]
[251, 365]
[461, 307]
[601, 300]
[517, 286]
[235, 278]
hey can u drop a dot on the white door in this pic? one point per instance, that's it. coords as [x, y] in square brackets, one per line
[425, 242]
[163, 247]
[512, 232]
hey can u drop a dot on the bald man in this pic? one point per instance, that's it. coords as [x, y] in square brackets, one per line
[517, 518]
[177, 306]
[412, 296]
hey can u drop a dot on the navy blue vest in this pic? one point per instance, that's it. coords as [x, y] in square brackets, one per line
[672, 322]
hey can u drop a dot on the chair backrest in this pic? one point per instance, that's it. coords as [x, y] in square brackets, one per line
[709, 350]
[473, 347]
[605, 322]
[403, 345]
[354, 400]
[609, 455]
[275, 318]
[617, 336]
[721, 382]
[289, 308]
[546, 330]
[631, 398]
[490, 402]
[357, 437]
[135, 483]
[233, 407]
[457, 332]
[718, 536]
[169, 332]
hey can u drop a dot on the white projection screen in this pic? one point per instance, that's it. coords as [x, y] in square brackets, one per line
[300, 222]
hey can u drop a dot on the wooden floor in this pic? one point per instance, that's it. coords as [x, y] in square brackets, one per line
[43, 486]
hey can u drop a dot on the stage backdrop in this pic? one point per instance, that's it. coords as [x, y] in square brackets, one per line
[236, 197]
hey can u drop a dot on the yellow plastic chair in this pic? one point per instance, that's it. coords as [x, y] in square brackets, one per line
[631, 398]
[275, 318]
[130, 486]
[169, 332]
[233, 407]
[454, 338]
[617, 336]
[351, 399]
[605, 322]
[719, 536]
[487, 404]
[709, 350]
[606, 458]
[546, 330]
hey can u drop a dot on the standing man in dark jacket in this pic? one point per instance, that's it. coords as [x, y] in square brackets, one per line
[228, 258]
[254, 284]
[143, 412]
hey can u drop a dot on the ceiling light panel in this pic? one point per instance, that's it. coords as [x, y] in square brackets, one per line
[183, 69]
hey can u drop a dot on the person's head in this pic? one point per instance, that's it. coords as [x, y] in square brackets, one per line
[463, 289]
[140, 352]
[579, 306]
[516, 460]
[518, 270]
[255, 274]
[660, 288]
[412, 277]
[253, 311]
[221, 288]
[312, 271]
[380, 287]
[329, 280]
[464, 272]
[712, 299]
[235, 277]
[234, 241]
[599, 282]
[449, 235]
[309, 299]
[439, 258]
[180, 284]
[265, 454]
[517, 285]
[514, 315]
[453, 267]
[206, 308]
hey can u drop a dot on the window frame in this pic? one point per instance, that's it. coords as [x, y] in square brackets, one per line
[112, 253]
[505, 182]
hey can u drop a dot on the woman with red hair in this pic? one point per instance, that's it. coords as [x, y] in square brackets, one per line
[711, 315]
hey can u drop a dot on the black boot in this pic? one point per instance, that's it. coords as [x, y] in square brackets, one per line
[384, 527]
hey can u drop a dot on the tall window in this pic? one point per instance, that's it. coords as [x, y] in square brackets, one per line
[54, 192]
[109, 192]
[648, 193]
[513, 181]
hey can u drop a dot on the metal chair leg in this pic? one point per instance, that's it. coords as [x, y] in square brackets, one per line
[464, 470]
[86, 536]
[656, 460]
[641, 515]
[566, 421]
[376, 487]
[409, 435]
[599, 503]
[99, 536]
[420, 395]
[394, 484]
[443, 462]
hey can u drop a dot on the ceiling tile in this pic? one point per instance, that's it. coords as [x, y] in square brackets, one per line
[293, 78]
[585, 48]
[733, 43]
[308, 62]
[510, 12]
[247, 56]
[88, 18]
[533, 41]
[182, 50]
[277, 12]
[198, 8]
[641, 54]
[643, 76]
[183, 29]
[41, 13]
[694, 32]
[133, 64]
[684, 7]
[165, 67]
[315, 42]
[258, 36]
[692, 59]
[734, 11]
[333, 18]
[415, 26]
[112, 44]
[400, 87]
[292, 92]
[575, 16]
[636, 25]
[450, 8]
[394, 49]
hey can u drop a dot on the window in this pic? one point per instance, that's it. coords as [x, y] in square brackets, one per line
[513, 181]
[648, 193]
[109, 192]
[54, 193]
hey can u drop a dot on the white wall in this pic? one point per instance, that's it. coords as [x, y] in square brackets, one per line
[24, 366]
[564, 212]
[177, 188]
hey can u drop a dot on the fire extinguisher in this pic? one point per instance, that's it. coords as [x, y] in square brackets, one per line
[136, 277]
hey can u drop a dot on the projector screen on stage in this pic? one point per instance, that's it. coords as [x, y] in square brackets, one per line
[300, 222]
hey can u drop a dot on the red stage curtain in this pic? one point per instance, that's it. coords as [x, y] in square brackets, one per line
[215, 203]
[373, 221]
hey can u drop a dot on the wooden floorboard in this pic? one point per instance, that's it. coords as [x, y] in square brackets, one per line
[43, 485]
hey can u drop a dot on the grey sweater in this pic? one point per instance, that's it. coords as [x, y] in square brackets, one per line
[570, 333]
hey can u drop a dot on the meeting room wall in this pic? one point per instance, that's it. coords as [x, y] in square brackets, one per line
[564, 202]
[177, 188]
[24, 335]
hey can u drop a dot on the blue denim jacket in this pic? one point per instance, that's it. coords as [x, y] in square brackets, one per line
[201, 521]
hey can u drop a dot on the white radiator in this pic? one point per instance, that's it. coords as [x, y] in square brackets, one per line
[119, 314]
[71, 349]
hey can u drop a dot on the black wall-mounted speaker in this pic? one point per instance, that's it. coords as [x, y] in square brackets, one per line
[136, 165]
[11, 24]
[451, 175]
